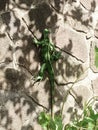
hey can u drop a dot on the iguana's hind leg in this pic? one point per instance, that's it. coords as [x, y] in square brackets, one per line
[40, 75]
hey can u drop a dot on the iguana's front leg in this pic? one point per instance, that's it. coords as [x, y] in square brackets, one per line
[37, 42]
[55, 56]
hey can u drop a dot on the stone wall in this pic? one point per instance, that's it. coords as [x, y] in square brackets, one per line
[74, 29]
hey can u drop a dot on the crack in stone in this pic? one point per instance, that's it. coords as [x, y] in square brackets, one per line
[76, 99]
[80, 31]
[90, 55]
[62, 84]
[96, 36]
[70, 54]
[94, 71]
[87, 38]
[85, 7]
[90, 59]
[32, 98]
[23, 66]
[56, 10]
[92, 87]
[13, 51]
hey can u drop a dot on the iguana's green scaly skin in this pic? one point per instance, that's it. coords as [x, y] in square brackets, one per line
[49, 54]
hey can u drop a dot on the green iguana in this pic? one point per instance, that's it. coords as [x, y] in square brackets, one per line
[49, 55]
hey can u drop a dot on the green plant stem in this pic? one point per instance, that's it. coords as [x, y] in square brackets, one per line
[70, 89]
[66, 96]
[91, 100]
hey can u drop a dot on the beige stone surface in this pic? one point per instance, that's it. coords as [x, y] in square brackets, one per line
[36, 23]
[22, 41]
[14, 25]
[69, 70]
[66, 39]
[21, 6]
[95, 86]
[82, 94]
[5, 48]
[89, 4]
[96, 31]
[73, 26]
[58, 5]
[78, 18]
[17, 112]
[69, 108]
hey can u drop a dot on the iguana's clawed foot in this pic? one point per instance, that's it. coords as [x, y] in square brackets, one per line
[37, 79]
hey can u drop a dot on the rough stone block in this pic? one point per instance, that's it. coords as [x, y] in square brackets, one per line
[68, 70]
[22, 41]
[96, 31]
[78, 18]
[6, 52]
[38, 19]
[73, 64]
[58, 5]
[5, 48]
[13, 24]
[89, 4]
[70, 110]
[82, 93]
[72, 42]
[95, 86]
[18, 112]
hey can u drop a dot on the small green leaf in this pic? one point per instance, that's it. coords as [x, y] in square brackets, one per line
[52, 125]
[96, 59]
[96, 56]
[88, 119]
[58, 122]
[90, 126]
[96, 49]
[43, 120]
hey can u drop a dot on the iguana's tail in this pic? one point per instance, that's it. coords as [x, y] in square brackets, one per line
[51, 79]
[51, 96]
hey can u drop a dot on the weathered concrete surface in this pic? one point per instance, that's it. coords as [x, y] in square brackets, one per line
[73, 26]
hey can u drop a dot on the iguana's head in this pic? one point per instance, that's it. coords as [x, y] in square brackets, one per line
[46, 33]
